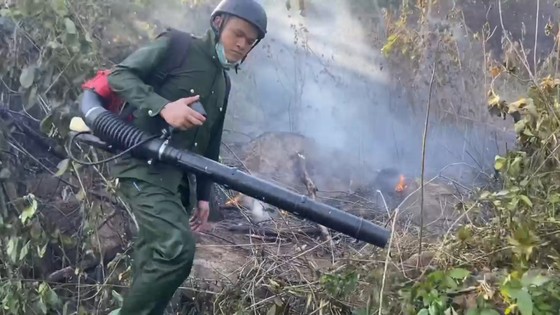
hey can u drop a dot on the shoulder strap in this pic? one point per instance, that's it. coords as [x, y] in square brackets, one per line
[228, 89]
[179, 45]
[176, 56]
[228, 84]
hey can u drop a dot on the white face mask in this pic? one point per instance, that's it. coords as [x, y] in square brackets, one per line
[222, 56]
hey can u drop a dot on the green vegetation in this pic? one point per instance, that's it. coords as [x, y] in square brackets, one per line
[502, 256]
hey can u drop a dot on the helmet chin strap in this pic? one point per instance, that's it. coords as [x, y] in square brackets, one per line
[254, 45]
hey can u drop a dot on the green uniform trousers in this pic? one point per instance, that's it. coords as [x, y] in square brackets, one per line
[164, 248]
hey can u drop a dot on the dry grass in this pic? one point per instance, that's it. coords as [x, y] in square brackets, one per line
[299, 274]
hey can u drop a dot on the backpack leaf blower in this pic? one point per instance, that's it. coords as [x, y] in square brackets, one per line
[113, 134]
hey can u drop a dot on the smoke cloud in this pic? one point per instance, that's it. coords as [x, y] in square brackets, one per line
[320, 76]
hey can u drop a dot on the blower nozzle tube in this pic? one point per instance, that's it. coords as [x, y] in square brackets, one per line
[111, 129]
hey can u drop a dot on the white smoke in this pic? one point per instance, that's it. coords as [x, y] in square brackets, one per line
[320, 75]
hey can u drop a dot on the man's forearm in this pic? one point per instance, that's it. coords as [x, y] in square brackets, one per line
[203, 188]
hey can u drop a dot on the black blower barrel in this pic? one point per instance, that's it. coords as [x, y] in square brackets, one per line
[108, 127]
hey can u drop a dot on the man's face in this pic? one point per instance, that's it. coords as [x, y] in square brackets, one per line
[238, 37]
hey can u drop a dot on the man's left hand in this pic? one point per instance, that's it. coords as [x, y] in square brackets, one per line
[199, 220]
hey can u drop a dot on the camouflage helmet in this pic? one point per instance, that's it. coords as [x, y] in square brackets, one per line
[248, 10]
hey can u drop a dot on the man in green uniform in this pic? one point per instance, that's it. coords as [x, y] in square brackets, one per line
[161, 196]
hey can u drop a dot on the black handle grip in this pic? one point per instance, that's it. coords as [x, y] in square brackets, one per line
[199, 108]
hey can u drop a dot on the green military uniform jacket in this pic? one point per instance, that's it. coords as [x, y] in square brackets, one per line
[202, 74]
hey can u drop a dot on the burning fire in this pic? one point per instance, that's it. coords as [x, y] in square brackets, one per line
[401, 185]
[234, 201]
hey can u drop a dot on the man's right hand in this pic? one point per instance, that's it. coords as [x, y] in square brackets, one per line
[180, 115]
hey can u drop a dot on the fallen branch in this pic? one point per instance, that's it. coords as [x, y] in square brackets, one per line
[61, 275]
[67, 274]
[24, 126]
[273, 232]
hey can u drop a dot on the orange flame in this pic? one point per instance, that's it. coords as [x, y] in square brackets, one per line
[401, 186]
[234, 201]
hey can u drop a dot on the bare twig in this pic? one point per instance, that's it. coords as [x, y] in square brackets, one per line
[312, 191]
[387, 259]
[536, 37]
[385, 204]
[420, 233]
